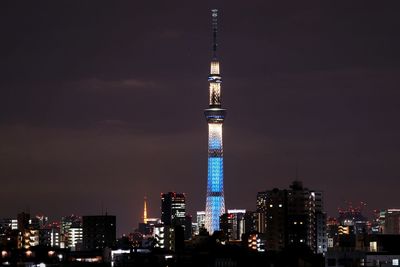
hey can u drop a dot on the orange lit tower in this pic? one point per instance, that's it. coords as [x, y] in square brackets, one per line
[145, 210]
[215, 115]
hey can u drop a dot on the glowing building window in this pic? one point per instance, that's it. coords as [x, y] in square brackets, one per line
[373, 246]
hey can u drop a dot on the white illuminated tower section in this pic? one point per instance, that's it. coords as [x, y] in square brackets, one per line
[215, 203]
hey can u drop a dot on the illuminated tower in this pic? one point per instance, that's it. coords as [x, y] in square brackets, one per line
[145, 210]
[215, 203]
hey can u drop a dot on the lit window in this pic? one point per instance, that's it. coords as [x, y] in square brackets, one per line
[373, 246]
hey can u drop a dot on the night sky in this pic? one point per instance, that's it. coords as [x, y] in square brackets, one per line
[102, 103]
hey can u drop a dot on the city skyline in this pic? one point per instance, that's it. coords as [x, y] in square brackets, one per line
[102, 106]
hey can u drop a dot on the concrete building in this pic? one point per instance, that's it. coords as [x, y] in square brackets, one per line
[200, 220]
[321, 235]
[233, 224]
[392, 222]
[173, 208]
[71, 232]
[293, 217]
[254, 222]
[99, 231]
[49, 235]
[173, 212]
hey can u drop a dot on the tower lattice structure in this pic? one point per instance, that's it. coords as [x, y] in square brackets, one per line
[215, 115]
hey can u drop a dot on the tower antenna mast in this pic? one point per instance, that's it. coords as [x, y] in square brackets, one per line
[214, 14]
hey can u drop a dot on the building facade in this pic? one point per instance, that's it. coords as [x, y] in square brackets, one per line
[294, 217]
[71, 232]
[200, 221]
[173, 208]
[232, 224]
[392, 222]
[99, 231]
[173, 212]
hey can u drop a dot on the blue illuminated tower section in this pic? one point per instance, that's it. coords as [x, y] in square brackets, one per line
[215, 115]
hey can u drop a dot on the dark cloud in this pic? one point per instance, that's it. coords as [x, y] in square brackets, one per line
[102, 103]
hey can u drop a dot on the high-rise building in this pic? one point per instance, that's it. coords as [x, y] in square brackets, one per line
[392, 222]
[71, 232]
[164, 236]
[28, 231]
[188, 229]
[215, 115]
[75, 237]
[261, 208]
[262, 201]
[169, 237]
[200, 220]
[49, 235]
[254, 222]
[173, 213]
[276, 219]
[7, 224]
[293, 217]
[160, 236]
[233, 224]
[173, 208]
[99, 231]
[23, 221]
[321, 232]
[29, 238]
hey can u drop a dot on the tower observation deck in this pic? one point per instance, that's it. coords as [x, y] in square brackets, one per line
[215, 115]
